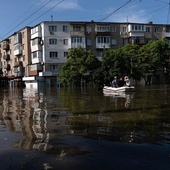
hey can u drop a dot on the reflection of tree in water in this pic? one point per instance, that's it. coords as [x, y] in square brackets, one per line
[121, 98]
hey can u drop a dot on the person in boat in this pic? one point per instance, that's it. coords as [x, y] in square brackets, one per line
[127, 81]
[114, 82]
[121, 82]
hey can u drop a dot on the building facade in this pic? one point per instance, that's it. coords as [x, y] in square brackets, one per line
[15, 55]
[36, 54]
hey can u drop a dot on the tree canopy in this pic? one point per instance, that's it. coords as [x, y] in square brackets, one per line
[132, 60]
[79, 64]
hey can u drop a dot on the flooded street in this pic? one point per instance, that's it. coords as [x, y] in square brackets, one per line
[72, 128]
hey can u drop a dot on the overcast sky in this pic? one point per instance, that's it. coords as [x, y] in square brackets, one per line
[16, 14]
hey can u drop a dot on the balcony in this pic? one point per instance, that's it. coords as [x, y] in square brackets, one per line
[33, 70]
[17, 38]
[18, 71]
[36, 32]
[17, 49]
[49, 73]
[136, 34]
[5, 45]
[37, 47]
[102, 29]
[36, 57]
[76, 45]
[102, 45]
[6, 57]
[18, 63]
[166, 34]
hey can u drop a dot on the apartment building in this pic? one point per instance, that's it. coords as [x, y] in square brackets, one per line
[15, 55]
[36, 54]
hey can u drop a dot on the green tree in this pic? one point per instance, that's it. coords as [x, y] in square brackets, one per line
[107, 65]
[154, 57]
[119, 62]
[80, 65]
[130, 57]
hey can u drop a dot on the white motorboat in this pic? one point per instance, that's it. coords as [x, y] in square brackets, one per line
[109, 89]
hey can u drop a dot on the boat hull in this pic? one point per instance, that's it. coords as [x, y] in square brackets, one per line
[118, 89]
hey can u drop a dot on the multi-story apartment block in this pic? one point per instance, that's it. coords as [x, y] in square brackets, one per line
[36, 54]
[15, 55]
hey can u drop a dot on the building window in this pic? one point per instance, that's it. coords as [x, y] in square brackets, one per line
[89, 41]
[35, 41]
[156, 30]
[52, 41]
[124, 29]
[53, 67]
[65, 28]
[65, 54]
[76, 28]
[34, 30]
[17, 47]
[53, 54]
[103, 28]
[17, 38]
[168, 30]
[148, 29]
[99, 53]
[113, 41]
[76, 40]
[103, 40]
[53, 28]
[125, 41]
[113, 29]
[34, 54]
[138, 28]
[88, 29]
[168, 41]
[65, 41]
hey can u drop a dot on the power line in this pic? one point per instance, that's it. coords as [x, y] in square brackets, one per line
[46, 11]
[116, 10]
[25, 12]
[27, 18]
[156, 10]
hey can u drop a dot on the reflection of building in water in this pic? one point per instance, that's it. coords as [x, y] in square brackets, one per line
[40, 129]
[34, 115]
[17, 113]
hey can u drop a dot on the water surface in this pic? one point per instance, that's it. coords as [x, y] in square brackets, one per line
[69, 128]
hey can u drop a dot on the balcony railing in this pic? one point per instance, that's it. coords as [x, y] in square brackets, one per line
[103, 45]
[136, 34]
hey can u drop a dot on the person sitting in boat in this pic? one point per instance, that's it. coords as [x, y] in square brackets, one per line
[127, 81]
[121, 82]
[114, 82]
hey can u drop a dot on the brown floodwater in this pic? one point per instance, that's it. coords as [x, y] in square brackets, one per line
[74, 128]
